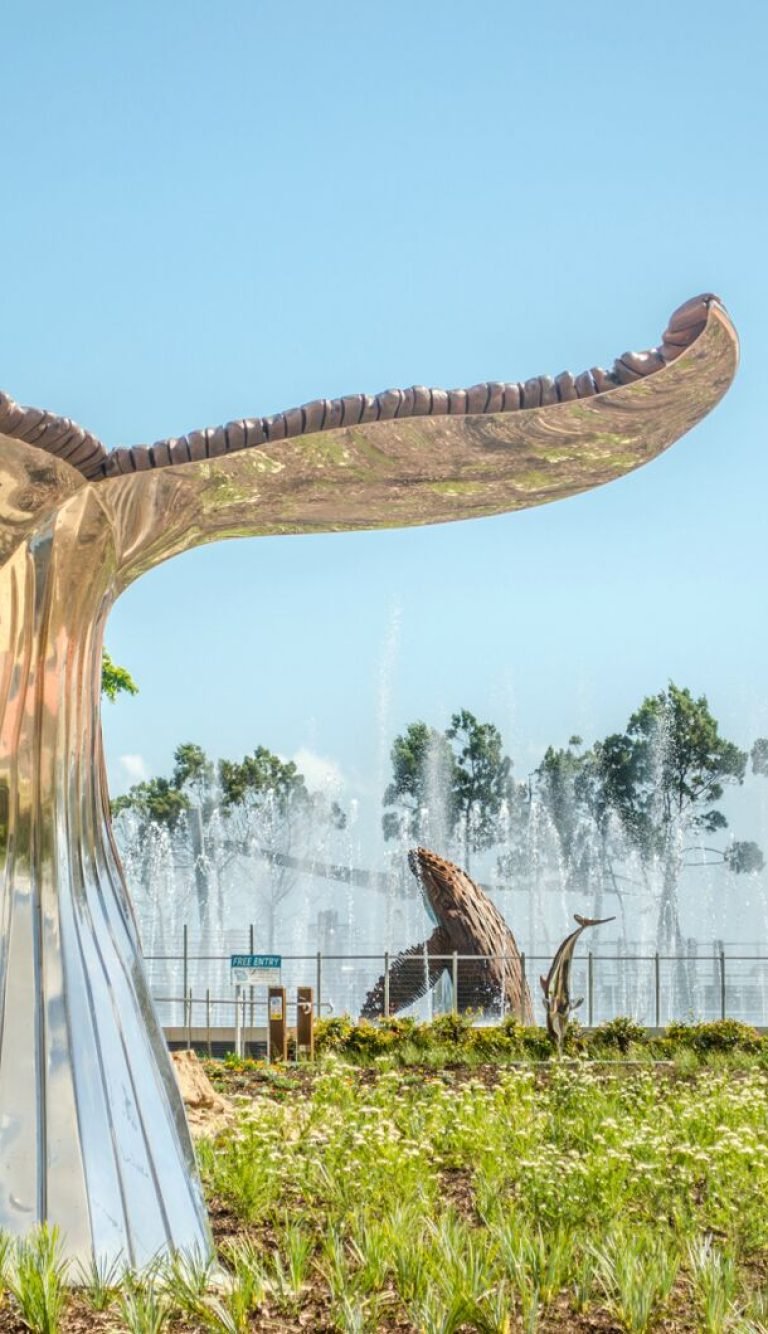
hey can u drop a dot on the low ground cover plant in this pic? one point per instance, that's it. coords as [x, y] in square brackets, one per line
[570, 1196]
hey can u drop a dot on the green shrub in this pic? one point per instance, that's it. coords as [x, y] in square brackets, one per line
[721, 1035]
[620, 1033]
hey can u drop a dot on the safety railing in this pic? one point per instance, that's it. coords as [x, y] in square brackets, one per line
[192, 989]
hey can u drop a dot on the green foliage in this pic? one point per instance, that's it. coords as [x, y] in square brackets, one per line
[720, 1035]
[115, 680]
[670, 766]
[621, 1033]
[462, 769]
[37, 1281]
[259, 776]
[482, 780]
[422, 763]
[156, 801]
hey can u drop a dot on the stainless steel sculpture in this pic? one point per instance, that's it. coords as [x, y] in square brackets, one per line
[92, 1131]
[557, 984]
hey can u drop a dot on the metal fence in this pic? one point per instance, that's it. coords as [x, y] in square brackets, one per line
[192, 989]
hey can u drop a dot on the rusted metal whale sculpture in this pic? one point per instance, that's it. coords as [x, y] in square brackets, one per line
[557, 984]
[92, 1130]
[467, 923]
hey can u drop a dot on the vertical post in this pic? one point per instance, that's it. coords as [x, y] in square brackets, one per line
[590, 990]
[386, 984]
[185, 966]
[522, 987]
[251, 992]
[305, 1024]
[278, 1027]
[455, 981]
[208, 1018]
[722, 983]
[189, 1020]
[238, 1033]
[319, 985]
[503, 1006]
[657, 988]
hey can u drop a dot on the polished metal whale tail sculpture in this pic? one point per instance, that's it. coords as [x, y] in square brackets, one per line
[557, 984]
[92, 1130]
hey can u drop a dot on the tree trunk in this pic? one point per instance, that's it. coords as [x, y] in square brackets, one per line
[93, 1135]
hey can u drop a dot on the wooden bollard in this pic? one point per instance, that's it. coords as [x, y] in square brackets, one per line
[305, 1023]
[278, 1025]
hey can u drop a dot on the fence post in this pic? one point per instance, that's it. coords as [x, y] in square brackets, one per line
[189, 1022]
[386, 984]
[590, 990]
[503, 1006]
[251, 992]
[455, 982]
[208, 1017]
[522, 988]
[722, 984]
[657, 988]
[238, 1032]
[319, 985]
[185, 967]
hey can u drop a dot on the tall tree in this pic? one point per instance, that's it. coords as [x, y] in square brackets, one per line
[449, 785]
[421, 795]
[664, 777]
[482, 781]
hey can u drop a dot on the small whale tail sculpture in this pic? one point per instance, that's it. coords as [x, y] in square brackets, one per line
[557, 984]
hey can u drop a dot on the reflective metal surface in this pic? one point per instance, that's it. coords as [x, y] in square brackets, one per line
[92, 1130]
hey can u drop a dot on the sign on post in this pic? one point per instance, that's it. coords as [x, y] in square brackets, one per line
[254, 970]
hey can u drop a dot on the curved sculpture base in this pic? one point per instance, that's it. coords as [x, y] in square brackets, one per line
[93, 1135]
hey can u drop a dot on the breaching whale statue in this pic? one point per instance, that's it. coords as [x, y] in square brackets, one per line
[92, 1130]
[467, 923]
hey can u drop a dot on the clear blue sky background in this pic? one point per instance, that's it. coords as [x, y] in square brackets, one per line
[220, 210]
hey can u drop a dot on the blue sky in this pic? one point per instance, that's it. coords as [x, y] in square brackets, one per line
[212, 211]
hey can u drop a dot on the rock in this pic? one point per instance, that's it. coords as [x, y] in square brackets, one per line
[208, 1113]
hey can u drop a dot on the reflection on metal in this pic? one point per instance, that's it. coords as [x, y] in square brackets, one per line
[557, 984]
[92, 1130]
[466, 923]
